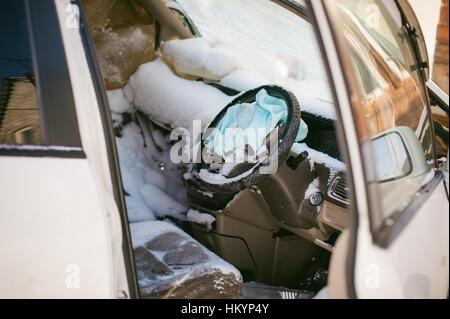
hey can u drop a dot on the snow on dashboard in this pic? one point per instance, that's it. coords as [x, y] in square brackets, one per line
[170, 100]
[201, 57]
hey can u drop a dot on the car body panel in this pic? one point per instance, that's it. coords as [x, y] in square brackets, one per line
[61, 228]
[401, 268]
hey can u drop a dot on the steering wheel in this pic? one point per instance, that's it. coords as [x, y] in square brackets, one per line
[254, 173]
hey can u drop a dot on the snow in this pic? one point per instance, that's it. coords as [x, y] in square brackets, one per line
[275, 46]
[314, 156]
[172, 101]
[216, 179]
[335, 166]
[279, 51]
[318, 157]
[143, 232]
[161, 203]
[118, 103]
[201, 218]
[243, 80]
[151, 192]
[200, 57]
[313, 187]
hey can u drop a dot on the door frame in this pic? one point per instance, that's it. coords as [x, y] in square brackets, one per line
[113, 158]
[346, 132]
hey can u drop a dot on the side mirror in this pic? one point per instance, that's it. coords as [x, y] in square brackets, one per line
[398, 153]
[391, 157]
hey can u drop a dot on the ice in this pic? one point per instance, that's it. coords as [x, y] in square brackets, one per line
[200, 57]
[172, 101]
[201, 218]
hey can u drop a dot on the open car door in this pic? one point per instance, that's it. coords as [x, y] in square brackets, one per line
[397, 241]
[60, 230]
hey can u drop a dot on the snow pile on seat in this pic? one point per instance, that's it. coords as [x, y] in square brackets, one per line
[150, 192]
[170, 100]
[171, 264]
[200, 57]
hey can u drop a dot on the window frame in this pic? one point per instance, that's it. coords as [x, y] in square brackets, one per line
[384, 231]
[57, 113]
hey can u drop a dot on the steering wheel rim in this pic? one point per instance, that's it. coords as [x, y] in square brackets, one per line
[287, 139]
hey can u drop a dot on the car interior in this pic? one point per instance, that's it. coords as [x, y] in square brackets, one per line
[277, 229]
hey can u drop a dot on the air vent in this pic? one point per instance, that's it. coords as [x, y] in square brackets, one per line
[339, 190]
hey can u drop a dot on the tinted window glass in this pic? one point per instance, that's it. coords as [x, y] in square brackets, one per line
[19, 114]
[393, 101]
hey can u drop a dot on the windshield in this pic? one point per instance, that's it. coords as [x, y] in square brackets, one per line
[274, 46]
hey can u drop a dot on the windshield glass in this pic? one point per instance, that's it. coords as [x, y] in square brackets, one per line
[272, 44]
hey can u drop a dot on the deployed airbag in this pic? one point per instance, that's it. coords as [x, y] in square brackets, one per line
[249, 123]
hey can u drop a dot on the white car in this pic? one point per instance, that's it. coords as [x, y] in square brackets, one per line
[107, 190]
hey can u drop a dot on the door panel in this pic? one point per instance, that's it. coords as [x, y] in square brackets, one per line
[54, 236]
[59, 225]
[400, 247]
[415, 263]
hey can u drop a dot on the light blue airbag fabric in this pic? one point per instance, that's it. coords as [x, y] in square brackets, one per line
[249, 123]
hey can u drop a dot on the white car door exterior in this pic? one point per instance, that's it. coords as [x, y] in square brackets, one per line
[60, 228]
[398, 238]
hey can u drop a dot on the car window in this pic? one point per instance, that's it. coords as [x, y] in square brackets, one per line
[36, 99]
[393, 104]
[19, 114]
